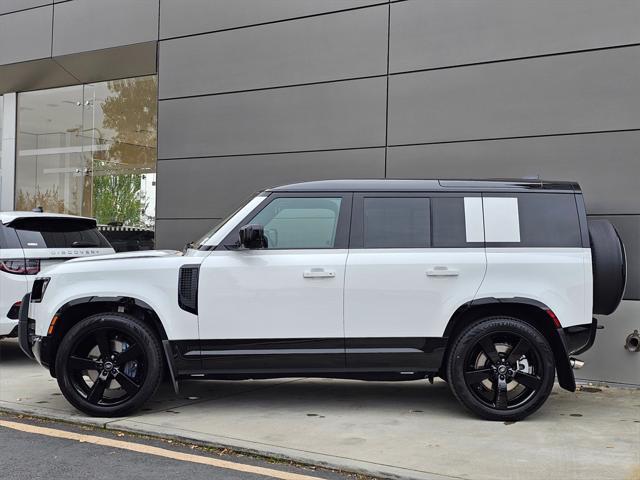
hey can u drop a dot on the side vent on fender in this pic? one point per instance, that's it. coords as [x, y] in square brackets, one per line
[188, 288]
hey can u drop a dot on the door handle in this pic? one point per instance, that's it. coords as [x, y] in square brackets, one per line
[442, 271]
[318, 273]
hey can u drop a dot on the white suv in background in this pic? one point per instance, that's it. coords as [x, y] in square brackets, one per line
[490, 285]
[33, 241]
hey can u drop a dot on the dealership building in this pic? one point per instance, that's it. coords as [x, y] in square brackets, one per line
[166, 115]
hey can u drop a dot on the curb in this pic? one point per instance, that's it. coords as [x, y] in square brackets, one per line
[255, 449]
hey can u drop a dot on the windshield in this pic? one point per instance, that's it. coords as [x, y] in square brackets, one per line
[221, 230]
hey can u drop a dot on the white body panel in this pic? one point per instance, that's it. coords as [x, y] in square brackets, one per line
[408, 292]
[560, 278]
[151, 277]
[14, 287]
[272, 294]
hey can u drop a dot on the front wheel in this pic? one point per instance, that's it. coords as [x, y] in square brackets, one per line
[109, 364]
[501, 368]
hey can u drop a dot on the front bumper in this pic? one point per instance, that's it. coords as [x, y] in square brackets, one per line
[35, 347]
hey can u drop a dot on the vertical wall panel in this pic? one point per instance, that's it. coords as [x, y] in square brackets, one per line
[326, 47]
[436, 33]
[214, 187]
[606, 164]
[180, 17]
[337, 115]
[84, 25]
[25, 35]
[8, 6]
[628, 226]
[581, 92]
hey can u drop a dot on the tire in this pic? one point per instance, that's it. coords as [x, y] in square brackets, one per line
[609, 266]
[109, 364]
[501, 368]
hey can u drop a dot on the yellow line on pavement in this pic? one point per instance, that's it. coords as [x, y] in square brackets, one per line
[149, 450]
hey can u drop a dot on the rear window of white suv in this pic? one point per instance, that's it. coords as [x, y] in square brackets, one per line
[58, 233]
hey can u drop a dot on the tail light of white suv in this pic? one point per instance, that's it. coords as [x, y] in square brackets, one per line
[20, 266]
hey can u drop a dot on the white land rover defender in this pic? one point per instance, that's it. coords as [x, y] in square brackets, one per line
[490, 285]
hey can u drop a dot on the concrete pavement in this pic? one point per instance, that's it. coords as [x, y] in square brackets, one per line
[408, 430]
[60, 451]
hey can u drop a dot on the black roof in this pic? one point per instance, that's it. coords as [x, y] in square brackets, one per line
[451, 185]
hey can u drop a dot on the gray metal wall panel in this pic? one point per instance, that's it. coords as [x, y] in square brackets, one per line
[180, 17]
[110, 63]
[183, 185]
[7, 6]
[34, 75]
[608, 360]
[327, 47]
[590, 91]
[84, 25]
[433, 33]
[176, 233]
[628, 227]
[25, 35]
[605, 164]
[314, 117]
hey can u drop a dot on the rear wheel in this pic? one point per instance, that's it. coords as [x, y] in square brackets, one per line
[109, 364]
[501, 368]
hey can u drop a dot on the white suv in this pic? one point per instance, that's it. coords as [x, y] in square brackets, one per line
[490, 285]
[33, 241]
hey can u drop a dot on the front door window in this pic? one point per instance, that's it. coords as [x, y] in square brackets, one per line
[300, 223]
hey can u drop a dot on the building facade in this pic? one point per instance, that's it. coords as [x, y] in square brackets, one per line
[167, 114]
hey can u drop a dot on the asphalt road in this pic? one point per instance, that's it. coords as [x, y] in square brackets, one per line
[103, 455]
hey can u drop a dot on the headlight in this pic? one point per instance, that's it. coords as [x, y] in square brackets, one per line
[39, 287]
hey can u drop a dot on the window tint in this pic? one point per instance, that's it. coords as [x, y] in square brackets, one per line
[58, 233]
[448, 220]
[396, 222]
[8, 237]
[548, 220]
[300, 222]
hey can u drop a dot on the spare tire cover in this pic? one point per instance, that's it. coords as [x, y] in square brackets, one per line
[609, 266]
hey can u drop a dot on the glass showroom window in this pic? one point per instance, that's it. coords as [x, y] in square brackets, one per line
[1, 142]
[90, 150]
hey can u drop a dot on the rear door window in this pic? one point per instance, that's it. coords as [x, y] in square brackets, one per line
[449, 223]
[58, 233]
[396, 222]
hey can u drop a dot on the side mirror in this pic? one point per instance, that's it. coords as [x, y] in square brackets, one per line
[252, 237]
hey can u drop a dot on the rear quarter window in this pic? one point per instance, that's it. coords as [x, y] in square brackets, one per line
[8, 237]
[549, 220]
[544, 220]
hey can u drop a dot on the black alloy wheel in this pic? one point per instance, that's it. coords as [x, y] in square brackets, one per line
[109, 364]
[501, 368]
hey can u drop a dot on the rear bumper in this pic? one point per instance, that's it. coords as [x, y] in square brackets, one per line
[8, 327]
[580, 338]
